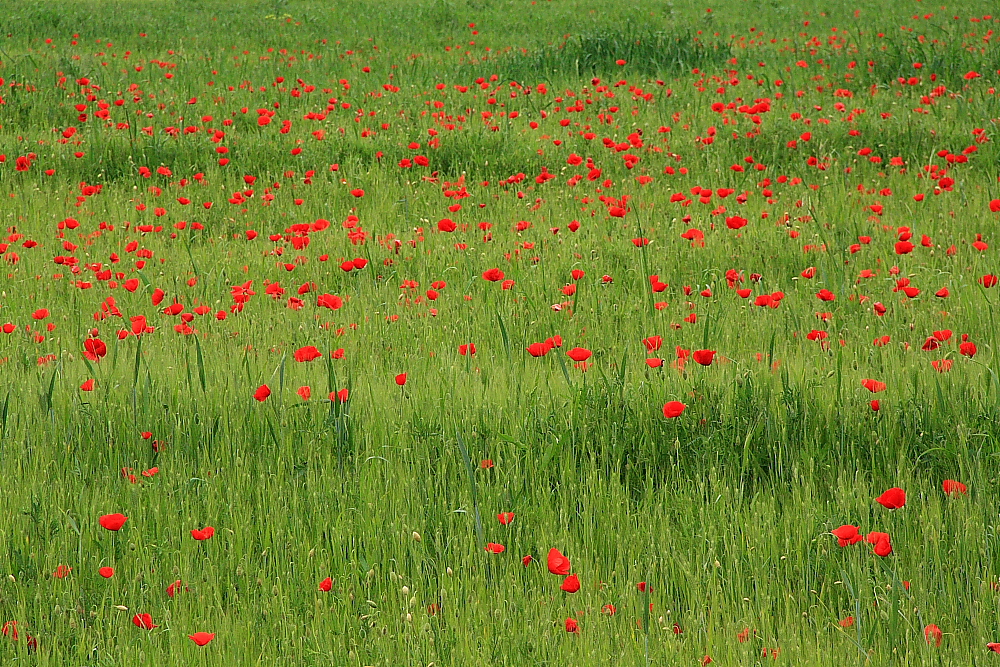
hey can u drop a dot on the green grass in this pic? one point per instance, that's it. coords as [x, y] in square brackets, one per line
[725, 511]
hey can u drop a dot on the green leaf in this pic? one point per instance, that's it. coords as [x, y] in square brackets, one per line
[201, 363]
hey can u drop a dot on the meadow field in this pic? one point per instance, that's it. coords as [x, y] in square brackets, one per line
[454, 332]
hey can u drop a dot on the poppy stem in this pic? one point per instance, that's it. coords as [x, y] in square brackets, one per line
[645, 619]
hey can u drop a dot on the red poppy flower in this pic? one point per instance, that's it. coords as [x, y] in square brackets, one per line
[527, 560]
[307, 353]
[144, 621]
[113, 522]
[571, 584]
[933, 635]
[703, 357]
[847, 535]
[203, 534]
[572, 626]
[495, 548]
[326, 585]
[673, 409]
[88, 385]
[953, 488]
[106, 572]
[893, 498]
[331, 301]
[825, 295]
[874, 386]
[202, 638]
[173, 588]
[94, 349]
[558, 564]
[994, 646]
[505, 518]
[579, 354]
[262, 393]
[653, 343]
[493, 275]
[538, 349]
[845, 532]
[883, 547]
[942, 365]
[401, 379]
